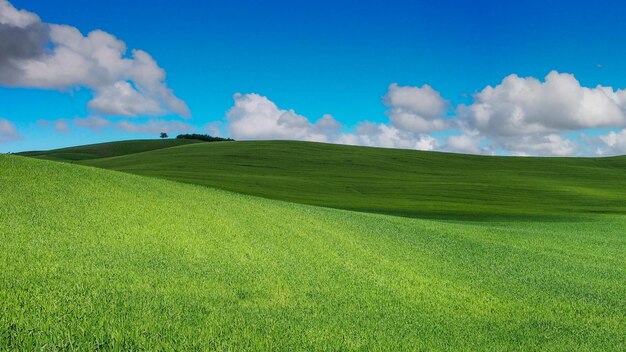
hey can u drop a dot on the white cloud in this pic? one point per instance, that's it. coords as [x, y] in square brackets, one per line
[415, 109]
[465, 143]
[121, 98]
[526, 106]
[154, 126]
[8, 132]
[613, 143]
[537, 144]
[383, 135]
[41, 55]
[526, 116]
[9, 15]
[485, 126]
[256, 117]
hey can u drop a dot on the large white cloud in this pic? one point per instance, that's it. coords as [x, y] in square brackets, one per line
[416, 109]
[256, 117]
[524, 106]
[8, 132]
[50, 56]
[527, 116]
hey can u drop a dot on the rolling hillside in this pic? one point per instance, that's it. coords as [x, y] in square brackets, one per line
[105, 150]
[95, 259]
[392, 181]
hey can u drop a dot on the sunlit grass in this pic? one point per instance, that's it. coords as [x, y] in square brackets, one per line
[97, 259]
[392, 181]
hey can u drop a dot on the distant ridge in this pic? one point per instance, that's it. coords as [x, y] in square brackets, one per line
[391, 181]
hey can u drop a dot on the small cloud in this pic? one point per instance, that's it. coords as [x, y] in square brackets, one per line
[92, 122]
[8, 132]
[416, 109]
[61, 126]
[214, 128]
[613, 143]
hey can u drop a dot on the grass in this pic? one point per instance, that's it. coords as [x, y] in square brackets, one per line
[391, 181]
[95, 259]
[105, 150]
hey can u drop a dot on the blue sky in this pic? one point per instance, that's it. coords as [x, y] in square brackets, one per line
[332, 57]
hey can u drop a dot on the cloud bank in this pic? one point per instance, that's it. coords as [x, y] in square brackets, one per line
[519, 116]
[254, 116]
[36, 54]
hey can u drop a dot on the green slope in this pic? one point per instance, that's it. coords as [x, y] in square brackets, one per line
[104, 150]
[399, 182]
[94, 259]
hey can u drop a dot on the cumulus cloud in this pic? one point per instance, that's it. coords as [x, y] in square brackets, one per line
[524, 106]
[544, 145]
[521, 116]
[22, 36]
[465, 143]
[527, 116]
[154, 126]
[36, 54]
[256, 117]
[613, 143]
[8, 132]
[416, 109]
[122, 98]
[383, 135]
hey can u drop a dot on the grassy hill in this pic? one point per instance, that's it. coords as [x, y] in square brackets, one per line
[105, 150]
[392, 181]
[95, 259]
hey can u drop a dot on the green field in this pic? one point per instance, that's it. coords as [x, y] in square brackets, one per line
[105, 150]
[391, 181]
[98, 259]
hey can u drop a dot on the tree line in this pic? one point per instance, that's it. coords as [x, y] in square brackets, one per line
[204, 137]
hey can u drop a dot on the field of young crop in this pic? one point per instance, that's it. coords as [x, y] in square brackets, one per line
[96, 259]
[107, 150]
[391, 181]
